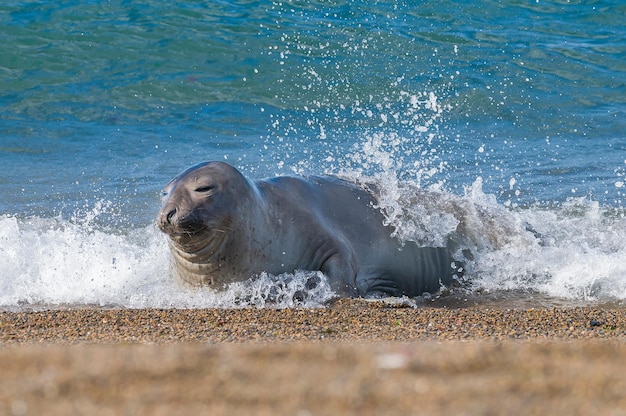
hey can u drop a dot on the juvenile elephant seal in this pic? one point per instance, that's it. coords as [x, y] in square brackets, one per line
[224, 228]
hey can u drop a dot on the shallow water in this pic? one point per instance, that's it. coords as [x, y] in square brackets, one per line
[517, 108]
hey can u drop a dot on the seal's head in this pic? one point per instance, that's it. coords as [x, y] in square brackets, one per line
[198, 208]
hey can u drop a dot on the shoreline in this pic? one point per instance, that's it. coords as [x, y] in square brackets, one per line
[345, 320]
[353, 357]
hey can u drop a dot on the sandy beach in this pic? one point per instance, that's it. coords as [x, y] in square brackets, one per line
[352, 357]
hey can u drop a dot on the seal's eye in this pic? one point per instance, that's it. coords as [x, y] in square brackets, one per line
[204, 189]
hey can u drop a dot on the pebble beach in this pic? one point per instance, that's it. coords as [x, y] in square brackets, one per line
[351, 357]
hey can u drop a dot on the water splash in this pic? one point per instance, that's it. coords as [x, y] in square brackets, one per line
[56, 261]
[573, 250]
[76, 262]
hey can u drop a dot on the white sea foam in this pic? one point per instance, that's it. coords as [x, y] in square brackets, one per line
[56, 262]
[583, 256]
[573, 250]
[578, 255]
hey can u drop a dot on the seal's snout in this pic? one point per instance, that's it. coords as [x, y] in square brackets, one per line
[174, 221]
[166, 219]
[169, 216]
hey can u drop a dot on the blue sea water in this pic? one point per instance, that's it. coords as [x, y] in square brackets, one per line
[510, 105]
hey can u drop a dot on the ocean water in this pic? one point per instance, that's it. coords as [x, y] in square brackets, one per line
[517, 109]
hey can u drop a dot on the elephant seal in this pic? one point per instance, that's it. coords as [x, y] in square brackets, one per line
[224, 228]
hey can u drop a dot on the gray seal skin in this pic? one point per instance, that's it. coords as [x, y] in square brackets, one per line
[224, 228]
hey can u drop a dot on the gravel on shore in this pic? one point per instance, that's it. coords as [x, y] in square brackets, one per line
[346, 320]
[353, 357]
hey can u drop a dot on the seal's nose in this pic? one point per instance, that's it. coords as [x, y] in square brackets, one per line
[169, 216]
[166, 218]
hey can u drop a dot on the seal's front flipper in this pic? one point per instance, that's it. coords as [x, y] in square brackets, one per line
[341, 274]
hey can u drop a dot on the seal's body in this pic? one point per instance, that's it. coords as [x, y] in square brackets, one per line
[224, 228]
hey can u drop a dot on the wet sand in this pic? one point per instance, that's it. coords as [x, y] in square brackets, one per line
[353, 357]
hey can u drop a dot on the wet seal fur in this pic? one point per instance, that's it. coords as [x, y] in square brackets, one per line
[224, 228]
